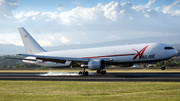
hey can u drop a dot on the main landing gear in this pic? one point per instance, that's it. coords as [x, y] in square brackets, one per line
[103, 72]
[83, 72]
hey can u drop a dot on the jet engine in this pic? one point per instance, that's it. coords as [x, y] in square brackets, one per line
[96, 64]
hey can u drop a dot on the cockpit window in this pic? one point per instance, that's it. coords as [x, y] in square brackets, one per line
[168, 48]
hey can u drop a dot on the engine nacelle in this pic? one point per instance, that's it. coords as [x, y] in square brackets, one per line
[96, 64]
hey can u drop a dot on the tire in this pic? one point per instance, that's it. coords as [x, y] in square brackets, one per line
[163, 68]
[98, 71]
[80, 72]
[86, 73]
[103, 72]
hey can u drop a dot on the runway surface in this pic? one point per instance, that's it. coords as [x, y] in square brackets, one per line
[67, 76]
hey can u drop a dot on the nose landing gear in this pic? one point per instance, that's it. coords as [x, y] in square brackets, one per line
[163, 68]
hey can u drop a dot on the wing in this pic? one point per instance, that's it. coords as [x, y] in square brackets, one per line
[56, 59]
[62, 59]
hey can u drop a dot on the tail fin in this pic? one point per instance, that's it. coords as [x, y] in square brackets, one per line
[32, 47]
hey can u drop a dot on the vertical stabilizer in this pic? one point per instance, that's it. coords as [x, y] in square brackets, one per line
[32, 47]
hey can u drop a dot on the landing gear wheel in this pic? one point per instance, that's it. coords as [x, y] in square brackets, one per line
[80, 72]
[83, 72]
[103, 72]
[163, 68]
[98, 71]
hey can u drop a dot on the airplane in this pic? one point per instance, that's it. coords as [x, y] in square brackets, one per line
[97, 58]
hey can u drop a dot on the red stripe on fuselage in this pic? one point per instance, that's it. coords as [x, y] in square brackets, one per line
[110, 55]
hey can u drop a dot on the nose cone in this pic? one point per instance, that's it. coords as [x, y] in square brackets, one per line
[175, 52]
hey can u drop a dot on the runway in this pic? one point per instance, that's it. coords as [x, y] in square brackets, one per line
[68, 76]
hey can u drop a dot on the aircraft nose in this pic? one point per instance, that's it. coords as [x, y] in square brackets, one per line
[175, 52]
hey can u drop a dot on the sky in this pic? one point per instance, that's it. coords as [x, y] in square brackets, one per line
[66, 22]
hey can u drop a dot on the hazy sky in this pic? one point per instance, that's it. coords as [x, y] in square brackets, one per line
[61, 22]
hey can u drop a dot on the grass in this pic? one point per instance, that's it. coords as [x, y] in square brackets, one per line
[96, 91]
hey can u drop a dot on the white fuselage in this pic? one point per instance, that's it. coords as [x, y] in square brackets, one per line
[137, 53]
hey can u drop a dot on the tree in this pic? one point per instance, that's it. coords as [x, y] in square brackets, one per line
[159, 64]
[4, 66]
[170, 63]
